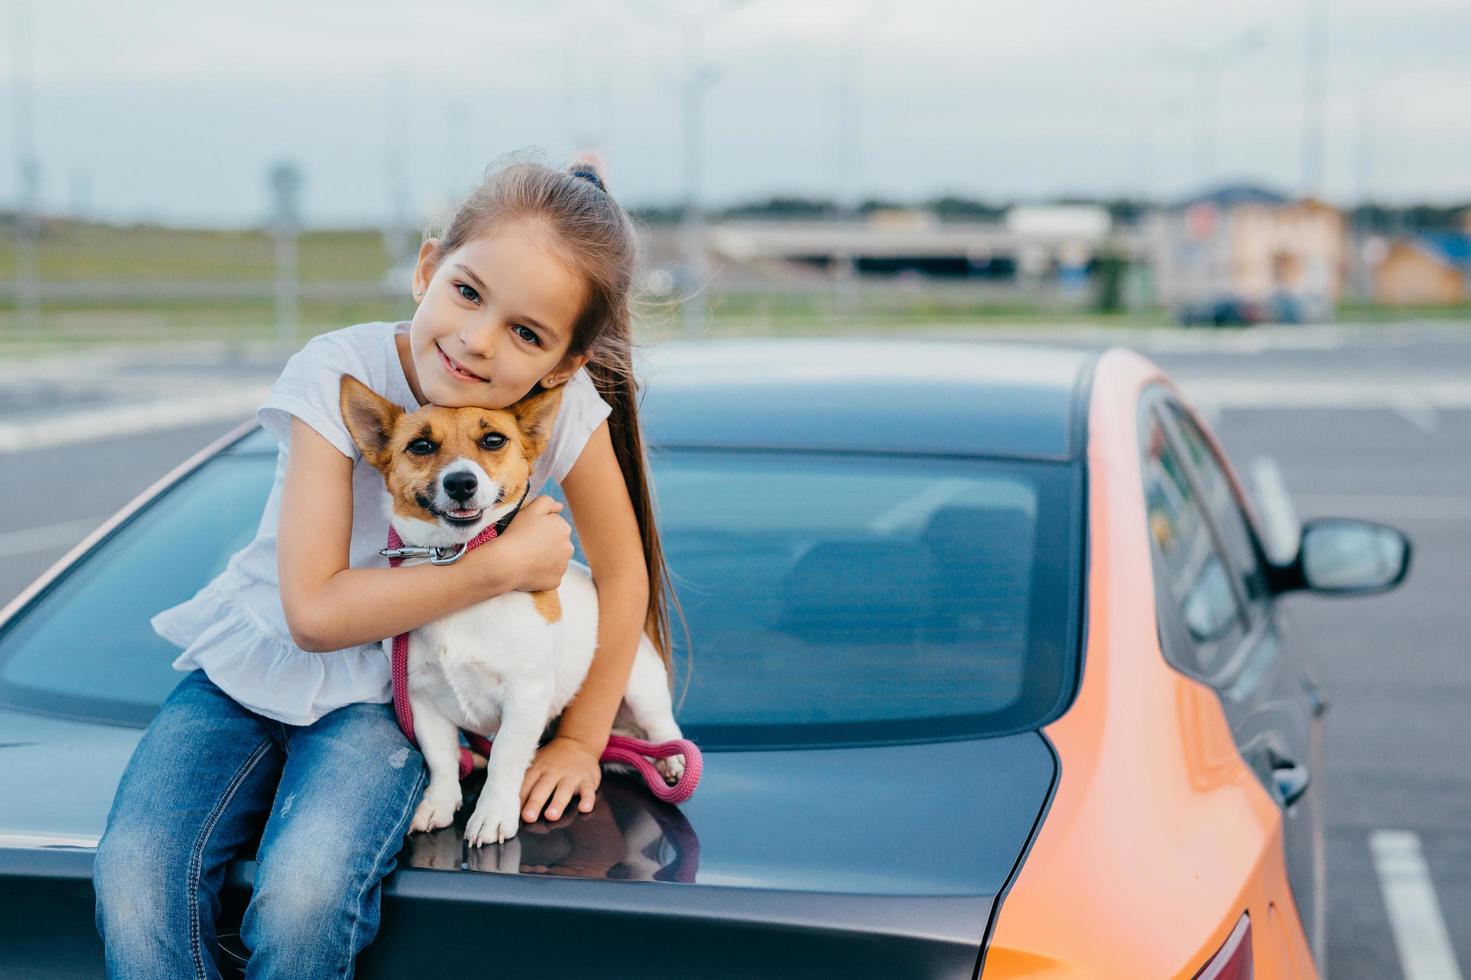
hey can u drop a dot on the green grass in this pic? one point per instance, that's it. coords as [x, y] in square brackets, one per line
[341, 274]
[74, 252]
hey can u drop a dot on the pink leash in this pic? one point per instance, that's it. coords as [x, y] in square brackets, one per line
[629, 751]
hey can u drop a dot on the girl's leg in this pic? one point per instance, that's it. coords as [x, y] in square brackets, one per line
[348, 790]
[194, 791]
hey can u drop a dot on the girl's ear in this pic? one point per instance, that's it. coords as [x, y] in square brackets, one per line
[570, 365]
[425, 268]
[370, 420]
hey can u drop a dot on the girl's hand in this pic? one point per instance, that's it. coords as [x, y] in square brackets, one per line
[536, 548]
[562, 767]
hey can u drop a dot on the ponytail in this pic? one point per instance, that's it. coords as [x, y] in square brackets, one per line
[618, 387]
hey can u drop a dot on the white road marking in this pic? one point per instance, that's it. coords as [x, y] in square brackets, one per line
[1391, 506]
[49, 840]
[1203, 340]
[1419, 413]
[1283, 529]
[1254, 341]
[47, 538]
[1418, 394]
[109, 422]
[1420, 935]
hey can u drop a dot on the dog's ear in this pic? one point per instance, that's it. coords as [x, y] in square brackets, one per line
[370, 419]
[535, 414]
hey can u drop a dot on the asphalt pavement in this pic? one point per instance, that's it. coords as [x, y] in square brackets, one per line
[1361, 422]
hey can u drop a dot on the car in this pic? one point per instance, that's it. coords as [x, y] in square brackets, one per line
[1230, 310]
[985, 657]
[1223, 311]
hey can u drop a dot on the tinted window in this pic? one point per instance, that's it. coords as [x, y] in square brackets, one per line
[1221, 504]
[830, 597]
[835, 597]
[1191, 571]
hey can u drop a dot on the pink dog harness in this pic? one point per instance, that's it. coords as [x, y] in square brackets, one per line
[629, 751]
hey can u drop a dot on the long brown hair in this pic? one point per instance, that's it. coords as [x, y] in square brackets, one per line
[598, 240]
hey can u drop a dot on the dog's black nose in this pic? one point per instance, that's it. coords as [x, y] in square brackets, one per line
[460, 485]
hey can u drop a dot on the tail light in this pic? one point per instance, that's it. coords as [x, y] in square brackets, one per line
[1233, 960]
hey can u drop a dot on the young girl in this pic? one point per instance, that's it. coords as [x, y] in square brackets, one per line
[283, 722]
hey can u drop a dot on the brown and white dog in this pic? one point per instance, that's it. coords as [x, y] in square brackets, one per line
[505, 667]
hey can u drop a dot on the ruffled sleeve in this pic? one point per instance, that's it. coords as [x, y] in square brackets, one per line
[309, 388]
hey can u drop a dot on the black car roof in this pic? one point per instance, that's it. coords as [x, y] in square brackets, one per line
[884, 395]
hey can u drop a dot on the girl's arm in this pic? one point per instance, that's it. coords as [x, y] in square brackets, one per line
[609, 532]
[330, 606]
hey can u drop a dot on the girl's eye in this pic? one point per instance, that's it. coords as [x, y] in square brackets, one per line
[421, 447]
[530, 336]
[468, 292]
[493, 440]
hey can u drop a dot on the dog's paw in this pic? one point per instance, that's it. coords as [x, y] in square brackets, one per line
[494, 821]
[671, 768]
[438, 807]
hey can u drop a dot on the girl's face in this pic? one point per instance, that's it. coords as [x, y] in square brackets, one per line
[495, 318]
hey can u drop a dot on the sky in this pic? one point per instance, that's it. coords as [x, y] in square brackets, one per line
[175, 111]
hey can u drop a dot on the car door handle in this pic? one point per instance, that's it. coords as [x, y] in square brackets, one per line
[1290, 780]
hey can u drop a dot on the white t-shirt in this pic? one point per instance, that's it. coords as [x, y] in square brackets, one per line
[234, 629]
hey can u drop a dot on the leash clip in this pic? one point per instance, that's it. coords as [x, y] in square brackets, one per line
[436, 556]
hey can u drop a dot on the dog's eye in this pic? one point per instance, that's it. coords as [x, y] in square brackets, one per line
[420, 447]
[492, 440]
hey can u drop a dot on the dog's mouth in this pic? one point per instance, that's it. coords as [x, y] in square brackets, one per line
[462, 517]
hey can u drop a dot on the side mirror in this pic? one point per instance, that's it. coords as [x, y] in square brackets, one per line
[1340, 556]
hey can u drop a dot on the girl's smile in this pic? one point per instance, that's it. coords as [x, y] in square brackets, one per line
[457, 370]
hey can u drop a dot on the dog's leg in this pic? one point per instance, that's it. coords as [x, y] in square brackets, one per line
[497, 816]
[439, 740]
[651, 707]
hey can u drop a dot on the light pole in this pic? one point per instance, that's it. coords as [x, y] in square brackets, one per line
[28, 172]
[695, 80]
[397, 235]
[1144, 139]
[698, 77]
[1207, 64]
[847, 153]
[285, 181]
[1314, 94]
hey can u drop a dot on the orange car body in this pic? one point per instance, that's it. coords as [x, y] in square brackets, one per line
[1159, 837]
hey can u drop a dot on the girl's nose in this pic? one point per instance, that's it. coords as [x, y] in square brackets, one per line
[479, 342]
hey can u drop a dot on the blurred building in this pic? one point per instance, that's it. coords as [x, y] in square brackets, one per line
[1259, 253]
[1034, 244]
[1429, 270]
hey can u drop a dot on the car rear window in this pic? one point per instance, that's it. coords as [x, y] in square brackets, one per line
[830, 598]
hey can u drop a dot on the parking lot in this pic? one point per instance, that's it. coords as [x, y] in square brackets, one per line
[1363, 422]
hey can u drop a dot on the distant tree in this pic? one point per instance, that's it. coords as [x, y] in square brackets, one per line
[1374, 217]
[951, 208]
[1122, 210]
[1109, 267]
[872, 204]
[780, 207]
[1382, 219]
[1428, 217]
[657, 214]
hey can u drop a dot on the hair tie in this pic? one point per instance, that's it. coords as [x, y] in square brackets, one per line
[591, 176]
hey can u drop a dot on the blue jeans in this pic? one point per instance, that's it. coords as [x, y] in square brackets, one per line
[335, 799]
